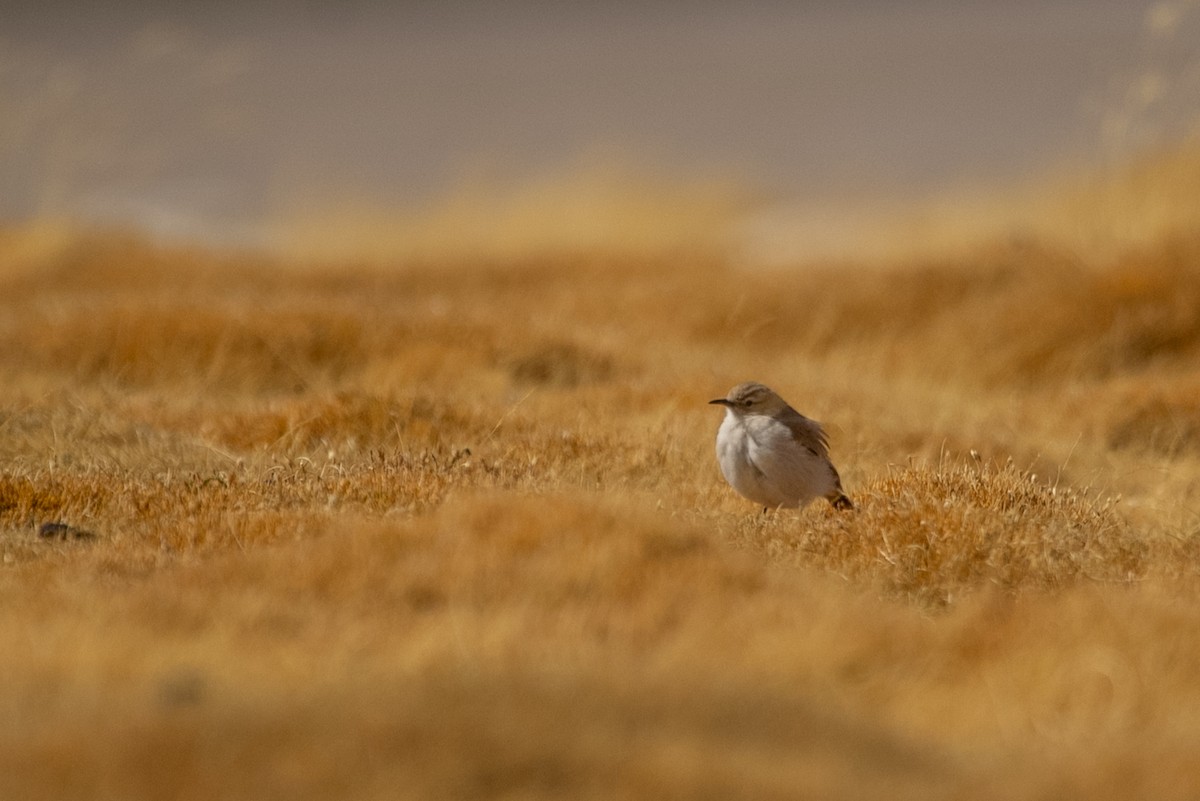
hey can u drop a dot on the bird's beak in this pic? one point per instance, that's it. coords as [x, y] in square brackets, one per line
[720, 401]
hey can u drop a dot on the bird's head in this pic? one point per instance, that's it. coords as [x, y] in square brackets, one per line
[751, 398]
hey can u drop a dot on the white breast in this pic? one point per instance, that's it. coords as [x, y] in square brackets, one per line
[762, 461]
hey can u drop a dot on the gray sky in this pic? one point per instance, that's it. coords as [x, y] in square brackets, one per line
[204, 118]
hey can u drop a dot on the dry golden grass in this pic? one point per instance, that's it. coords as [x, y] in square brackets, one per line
[456, 529]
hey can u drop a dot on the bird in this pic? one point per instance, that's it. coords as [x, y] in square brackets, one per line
[772, 454]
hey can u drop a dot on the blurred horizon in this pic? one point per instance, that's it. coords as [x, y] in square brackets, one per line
[226, 123]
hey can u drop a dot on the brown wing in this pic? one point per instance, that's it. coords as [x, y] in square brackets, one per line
[808, 433]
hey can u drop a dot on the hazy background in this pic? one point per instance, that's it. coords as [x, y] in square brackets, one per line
[221, 121]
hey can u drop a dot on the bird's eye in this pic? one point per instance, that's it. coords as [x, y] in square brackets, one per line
[746, 403]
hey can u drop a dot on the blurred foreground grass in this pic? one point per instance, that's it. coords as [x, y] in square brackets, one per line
[455, 529]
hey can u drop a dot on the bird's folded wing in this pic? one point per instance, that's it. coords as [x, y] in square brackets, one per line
[807, 433]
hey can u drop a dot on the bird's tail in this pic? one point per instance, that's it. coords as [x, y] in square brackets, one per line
[840, 500]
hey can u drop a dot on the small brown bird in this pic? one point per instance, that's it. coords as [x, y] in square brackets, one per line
[772, 454]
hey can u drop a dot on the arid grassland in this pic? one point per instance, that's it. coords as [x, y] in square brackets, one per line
[454, 529]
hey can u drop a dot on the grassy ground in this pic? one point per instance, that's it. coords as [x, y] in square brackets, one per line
[456, 529]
